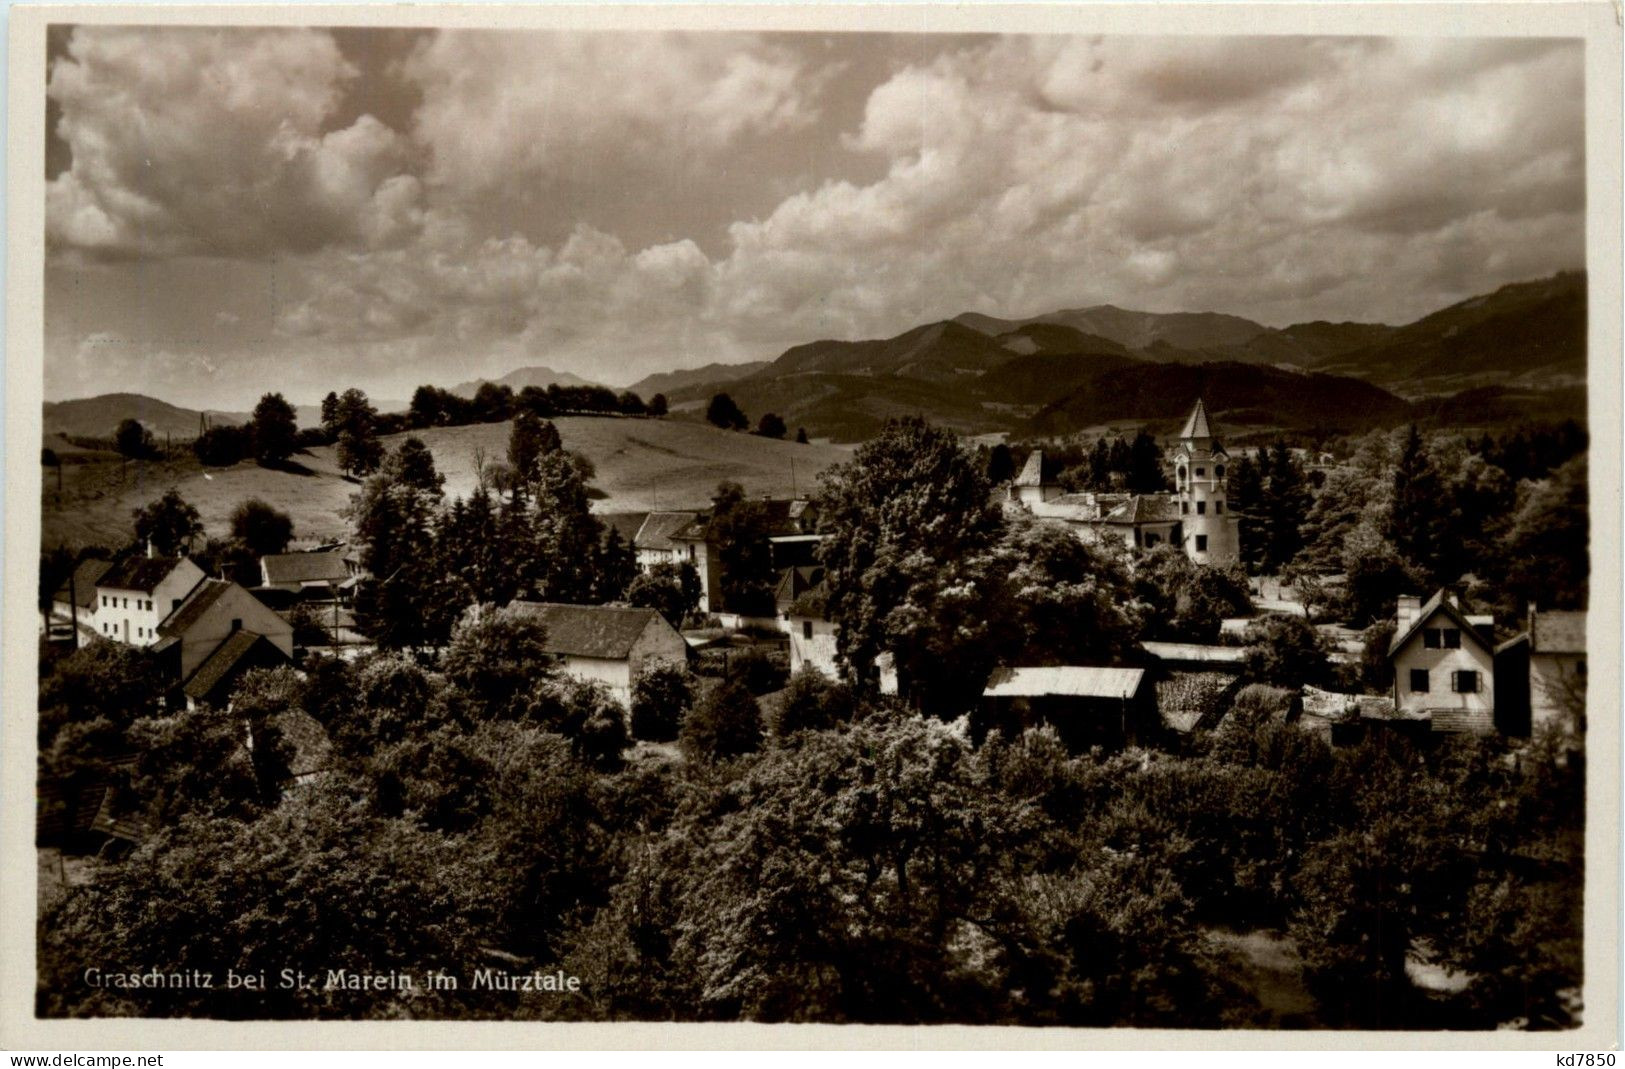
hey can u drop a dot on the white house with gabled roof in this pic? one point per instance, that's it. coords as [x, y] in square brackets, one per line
[1444, 665]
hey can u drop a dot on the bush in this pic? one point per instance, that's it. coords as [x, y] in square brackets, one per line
[761, 672]
[659, 698]
[1286, 651]
[813, 702]
[726, 723]
[596, 725]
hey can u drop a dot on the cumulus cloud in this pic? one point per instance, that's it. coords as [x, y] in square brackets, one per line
[217, 141]
[1283, 178]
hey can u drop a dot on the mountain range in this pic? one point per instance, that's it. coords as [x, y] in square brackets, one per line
[519, 378]
[1519, 349]
[1517, 354]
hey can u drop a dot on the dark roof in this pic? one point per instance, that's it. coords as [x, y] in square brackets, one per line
[240, 650]
[189, 611]
[794, 582]
[1144, 508]
[626, 524]
[140, 573]
[658, 528]
[304, 568]
[1439, 602]
[602, 631]
[1552, 631]
[85, 577]
[781, 516]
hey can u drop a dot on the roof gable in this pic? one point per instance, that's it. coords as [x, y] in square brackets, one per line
[1437, 604]
[240, 649]
[657, 529]
[1032, 472]
[191, 610]
[600, 631]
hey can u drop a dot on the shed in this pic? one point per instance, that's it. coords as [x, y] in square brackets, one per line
[1087, 705]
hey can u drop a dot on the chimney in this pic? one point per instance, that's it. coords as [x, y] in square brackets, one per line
[150, 552]
[1410, 607]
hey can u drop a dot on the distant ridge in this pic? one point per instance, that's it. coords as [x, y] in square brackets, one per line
[538, 376]
[668, 381]
[99, 417]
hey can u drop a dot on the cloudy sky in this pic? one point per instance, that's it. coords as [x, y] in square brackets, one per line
[235, 210]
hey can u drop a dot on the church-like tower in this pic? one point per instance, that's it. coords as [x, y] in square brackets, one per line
[1210, 532]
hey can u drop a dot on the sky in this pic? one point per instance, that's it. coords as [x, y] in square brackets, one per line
[236, 210]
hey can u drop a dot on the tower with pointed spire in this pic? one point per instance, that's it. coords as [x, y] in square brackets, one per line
[1209, 530]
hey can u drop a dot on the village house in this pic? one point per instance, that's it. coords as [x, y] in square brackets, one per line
[135, 595]
[607, 644]
[653, 543]
[1443, 665]
[1541, 674]
[215, 635]
[1196, 517]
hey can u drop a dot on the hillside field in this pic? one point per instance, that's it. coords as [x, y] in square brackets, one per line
[641, 465]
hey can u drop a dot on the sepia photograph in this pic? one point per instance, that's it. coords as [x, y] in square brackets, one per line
[909, 526]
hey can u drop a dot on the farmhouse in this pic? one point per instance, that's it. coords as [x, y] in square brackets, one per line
[136, 594]
[1443, 665]
[215, 635]
[606, 644]
[653, 544]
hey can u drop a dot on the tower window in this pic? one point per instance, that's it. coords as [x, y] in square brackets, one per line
[1218, 506]
[1201, 543]
[1184, 508]
[1201, 508]
[1219, 471]
[1201, 471]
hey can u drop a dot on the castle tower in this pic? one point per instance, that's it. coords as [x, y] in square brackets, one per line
[1210, 531]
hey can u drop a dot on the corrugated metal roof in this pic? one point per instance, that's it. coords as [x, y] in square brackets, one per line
[1073, 681]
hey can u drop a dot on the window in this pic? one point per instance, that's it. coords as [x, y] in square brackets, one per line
[1452, 638]
[1218, 472]
[1431, 638]
[1465, 682]
[104, 601]
[1218, 507]
[1184, 507]
[1419, 680]
[237, 624]
[1201, 508]
[1151, 540]
[1201, 471]
[126, 604]
[1201, 543]
[806, 629]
